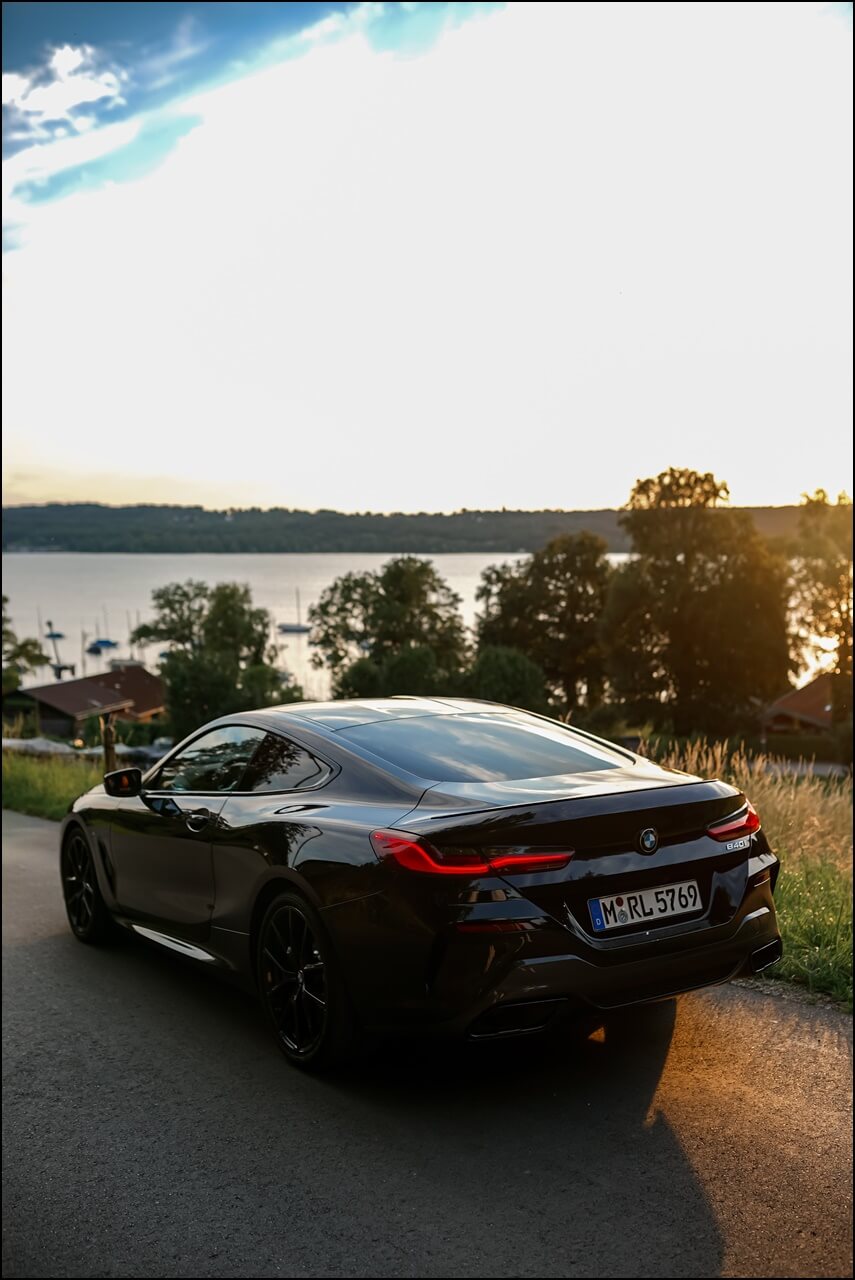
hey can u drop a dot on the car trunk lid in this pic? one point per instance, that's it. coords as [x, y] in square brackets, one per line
[599, 818]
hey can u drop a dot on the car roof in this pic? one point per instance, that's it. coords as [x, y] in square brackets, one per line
[316, 723]
[349, 712]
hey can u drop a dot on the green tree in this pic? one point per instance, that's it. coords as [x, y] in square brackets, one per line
[822, 580]
[696, 624]
[413, 671]
[363, 678]
[416, 671]
[180, 608]
[19, 656]
[379, 616]
[221, 660]
[500, 674]
[549, 608]
[233, 625]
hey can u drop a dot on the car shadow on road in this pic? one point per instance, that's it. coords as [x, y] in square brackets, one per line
[519, 1158]
[562, 1137]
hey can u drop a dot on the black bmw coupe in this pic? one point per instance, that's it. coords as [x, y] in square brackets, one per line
[424, 864]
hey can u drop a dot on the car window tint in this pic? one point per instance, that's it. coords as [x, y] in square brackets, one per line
[281, 765]
[214, 762]
[481, 747]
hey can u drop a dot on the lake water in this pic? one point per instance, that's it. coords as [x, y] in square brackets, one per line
[105, 596]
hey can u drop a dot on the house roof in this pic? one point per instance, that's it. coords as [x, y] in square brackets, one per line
[125, 689]
[811, 703]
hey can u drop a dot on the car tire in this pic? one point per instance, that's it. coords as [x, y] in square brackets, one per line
[87, 913]
[304, 998]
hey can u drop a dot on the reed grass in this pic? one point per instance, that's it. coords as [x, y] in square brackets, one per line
[45, 787]
[808, 820]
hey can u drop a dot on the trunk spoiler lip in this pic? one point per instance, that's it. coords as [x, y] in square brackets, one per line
[424, 817]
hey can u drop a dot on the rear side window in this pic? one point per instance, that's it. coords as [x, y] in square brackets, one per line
[483, 747]
[280, 765]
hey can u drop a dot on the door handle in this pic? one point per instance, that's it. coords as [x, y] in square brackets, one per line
[197, 819]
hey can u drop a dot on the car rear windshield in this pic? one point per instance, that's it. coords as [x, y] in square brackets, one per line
[481, 747]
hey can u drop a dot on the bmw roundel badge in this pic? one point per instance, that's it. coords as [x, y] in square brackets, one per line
[648, 841]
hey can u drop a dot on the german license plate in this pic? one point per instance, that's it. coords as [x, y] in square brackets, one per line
[644, 907]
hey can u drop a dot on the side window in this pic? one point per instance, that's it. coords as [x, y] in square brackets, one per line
[280, 765]
[214, 762]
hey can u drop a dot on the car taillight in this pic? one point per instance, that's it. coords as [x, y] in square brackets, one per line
[527, 859]
[418, 855]
[736, 825]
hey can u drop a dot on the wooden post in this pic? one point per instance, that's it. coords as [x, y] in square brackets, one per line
[108, 740]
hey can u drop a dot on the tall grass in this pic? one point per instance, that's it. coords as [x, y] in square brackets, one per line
[45, 787]
[808, 820]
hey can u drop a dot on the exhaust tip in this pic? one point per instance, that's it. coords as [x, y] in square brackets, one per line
[518, 1019]
[766, 956]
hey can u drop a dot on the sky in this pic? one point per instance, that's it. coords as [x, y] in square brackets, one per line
[420, 257]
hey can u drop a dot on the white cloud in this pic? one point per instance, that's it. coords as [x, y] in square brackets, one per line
[568, 246]
[71, 81]
[56, 101]
[334, 24]
[44, 160]
[14, 87]
[67, 60]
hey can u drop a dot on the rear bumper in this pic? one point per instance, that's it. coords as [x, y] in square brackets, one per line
[578, 985]
[485, 985]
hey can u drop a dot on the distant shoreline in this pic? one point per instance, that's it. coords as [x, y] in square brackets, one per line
[174, 530]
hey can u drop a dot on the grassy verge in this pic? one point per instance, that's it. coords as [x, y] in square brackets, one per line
[809, 824]
[808, 821]
[45, 788]
[814, 903]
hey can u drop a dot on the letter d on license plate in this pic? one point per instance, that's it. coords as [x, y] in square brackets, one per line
[644, 907]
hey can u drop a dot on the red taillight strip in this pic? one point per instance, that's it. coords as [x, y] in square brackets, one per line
[743, 823]
[530, 861]
[416, 855]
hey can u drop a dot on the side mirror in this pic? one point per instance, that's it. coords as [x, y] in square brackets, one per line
[123, 782]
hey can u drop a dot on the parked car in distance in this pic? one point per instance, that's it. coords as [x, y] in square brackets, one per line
[424, 865]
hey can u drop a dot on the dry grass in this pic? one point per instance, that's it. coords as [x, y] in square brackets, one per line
[806, 816]
[808, 820]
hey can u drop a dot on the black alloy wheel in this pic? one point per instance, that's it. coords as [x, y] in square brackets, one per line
[304, 1000]
[87, 914]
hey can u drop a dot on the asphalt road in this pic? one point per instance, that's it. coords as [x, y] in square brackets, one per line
[151, 1129]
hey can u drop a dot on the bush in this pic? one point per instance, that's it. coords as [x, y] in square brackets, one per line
[503, 674]
[412, 670]
[608, 721]
[362, 679]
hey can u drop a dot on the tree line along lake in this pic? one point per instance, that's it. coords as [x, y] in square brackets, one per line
[104, 596]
